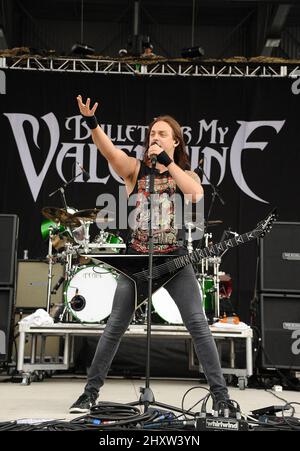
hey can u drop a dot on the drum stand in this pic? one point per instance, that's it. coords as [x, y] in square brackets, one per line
[217, 262]
[68, 274]
[204, 261]
[50, 264]
[61, 190]
[216, 280]
[86, 239]
[190, 226]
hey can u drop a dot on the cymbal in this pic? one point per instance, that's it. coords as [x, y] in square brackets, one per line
[91, 214]
[198, 218]
[215, 222]
[224, 277]
[61, 216]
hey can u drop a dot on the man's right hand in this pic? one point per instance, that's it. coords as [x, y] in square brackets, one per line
[85, 109]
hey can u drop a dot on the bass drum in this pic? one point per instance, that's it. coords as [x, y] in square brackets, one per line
[89, 293]
[165, 307]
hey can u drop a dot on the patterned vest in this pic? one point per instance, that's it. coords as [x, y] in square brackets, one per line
[165, 231]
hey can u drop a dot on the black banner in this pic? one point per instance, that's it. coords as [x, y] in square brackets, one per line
[245, 130]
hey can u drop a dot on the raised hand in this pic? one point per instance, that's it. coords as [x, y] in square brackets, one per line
[85, 108]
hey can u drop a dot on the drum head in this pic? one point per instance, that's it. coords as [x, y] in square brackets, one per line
[90, 292]
[165, 306]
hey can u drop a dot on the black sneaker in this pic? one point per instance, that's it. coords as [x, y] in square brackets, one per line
[83, 403]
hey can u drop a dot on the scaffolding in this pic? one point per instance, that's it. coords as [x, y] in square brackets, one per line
[182, 68]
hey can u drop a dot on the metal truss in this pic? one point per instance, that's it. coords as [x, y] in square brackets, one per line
[153, 68]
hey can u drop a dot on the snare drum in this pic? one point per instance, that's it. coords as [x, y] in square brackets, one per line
[89, 293]
[105, 240]
[113, 239]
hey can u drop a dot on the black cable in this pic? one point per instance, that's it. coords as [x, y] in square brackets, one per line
[291, 421]
[276, 396]
[114, 415]
[284, 377]
[113, 409]
[184, 396]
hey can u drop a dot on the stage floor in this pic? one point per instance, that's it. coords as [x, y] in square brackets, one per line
[51, 398]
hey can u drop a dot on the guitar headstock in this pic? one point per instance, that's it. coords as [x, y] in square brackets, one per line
[266, 224]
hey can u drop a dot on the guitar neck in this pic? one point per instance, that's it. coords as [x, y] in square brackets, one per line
[216, 249]
[198, 255]
[176, 263]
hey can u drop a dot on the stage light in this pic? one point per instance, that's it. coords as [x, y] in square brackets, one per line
[273, 42]
[137, 44]
[82, 49]
[123, 52]
[3, 43]
[192, 52]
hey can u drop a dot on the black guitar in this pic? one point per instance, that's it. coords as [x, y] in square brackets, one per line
[165, 268]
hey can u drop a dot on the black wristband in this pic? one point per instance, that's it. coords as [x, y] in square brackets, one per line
[163, 158]
[91, 121]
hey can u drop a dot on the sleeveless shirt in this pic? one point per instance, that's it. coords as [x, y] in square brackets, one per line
[166, 233]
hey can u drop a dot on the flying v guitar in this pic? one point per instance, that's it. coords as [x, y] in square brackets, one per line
[166, 267]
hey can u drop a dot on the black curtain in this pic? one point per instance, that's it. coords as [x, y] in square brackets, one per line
[41, 133]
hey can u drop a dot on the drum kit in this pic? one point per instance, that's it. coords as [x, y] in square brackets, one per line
[215, 286]
[70, 244]
[89, 288]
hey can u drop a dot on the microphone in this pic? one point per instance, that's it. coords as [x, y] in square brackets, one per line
[153, 158]
[85, 173]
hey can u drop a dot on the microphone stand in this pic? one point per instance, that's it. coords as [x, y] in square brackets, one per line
[217, 260]
[61, 189]
[215, 193]
[147, 396]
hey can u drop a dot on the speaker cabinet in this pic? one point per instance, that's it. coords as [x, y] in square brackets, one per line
[6, 307]
[280, 258]
[32, 281]
[280, 324]
[8, 248]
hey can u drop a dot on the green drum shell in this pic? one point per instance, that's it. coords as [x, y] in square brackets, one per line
[45, 226]
[208, 295]
[114, 239]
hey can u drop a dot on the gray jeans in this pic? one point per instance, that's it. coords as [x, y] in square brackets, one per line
[184, 289]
